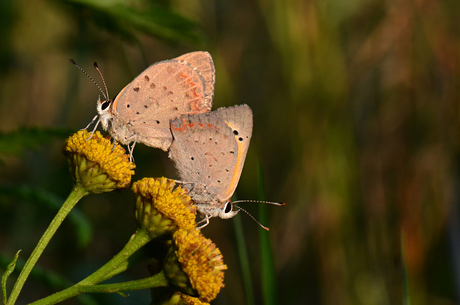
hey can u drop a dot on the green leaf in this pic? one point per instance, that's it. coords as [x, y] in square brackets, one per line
[244, 260]
[268, 284]
[82, 226]
[8, 271]
[122, 18]
[14, 143]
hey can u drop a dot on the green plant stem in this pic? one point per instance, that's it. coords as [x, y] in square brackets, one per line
[116, 265]
[268, 274]
[119, 262]
[158, 280]
[77, 193]
[244, 261]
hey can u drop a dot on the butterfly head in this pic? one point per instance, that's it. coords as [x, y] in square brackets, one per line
[211, 210]
[227, 211]
[104, 111]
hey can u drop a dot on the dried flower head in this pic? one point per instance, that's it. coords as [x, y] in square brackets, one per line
[194, 265]
[188, 300]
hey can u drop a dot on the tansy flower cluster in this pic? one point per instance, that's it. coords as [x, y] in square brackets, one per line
[191, 264]
[97, 164]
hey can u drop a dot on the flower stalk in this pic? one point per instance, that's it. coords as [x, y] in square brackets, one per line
[96, 168]
[77, 193]
[119, 262]
[157, 280]
[183, 260]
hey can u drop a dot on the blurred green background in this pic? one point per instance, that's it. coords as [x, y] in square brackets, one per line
[356, 128]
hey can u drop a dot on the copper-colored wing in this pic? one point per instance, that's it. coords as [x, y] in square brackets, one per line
[209, 150]
[163, 92]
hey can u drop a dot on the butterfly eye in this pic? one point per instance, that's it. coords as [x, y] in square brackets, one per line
[105, 104]
[228, 207]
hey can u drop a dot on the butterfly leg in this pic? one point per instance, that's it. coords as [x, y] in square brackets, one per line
[97, 124]
[92, 121]
[114, 144]
[131, 150]
[185, 184]
[205, 220]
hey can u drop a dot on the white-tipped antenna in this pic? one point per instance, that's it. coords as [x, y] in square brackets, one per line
[257, 201]
[103, 80]
[97, 85]
[260, 201]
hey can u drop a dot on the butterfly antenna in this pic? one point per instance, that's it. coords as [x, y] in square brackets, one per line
[103, 80]
[84, 72]
[261, 201]
[253, 218]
